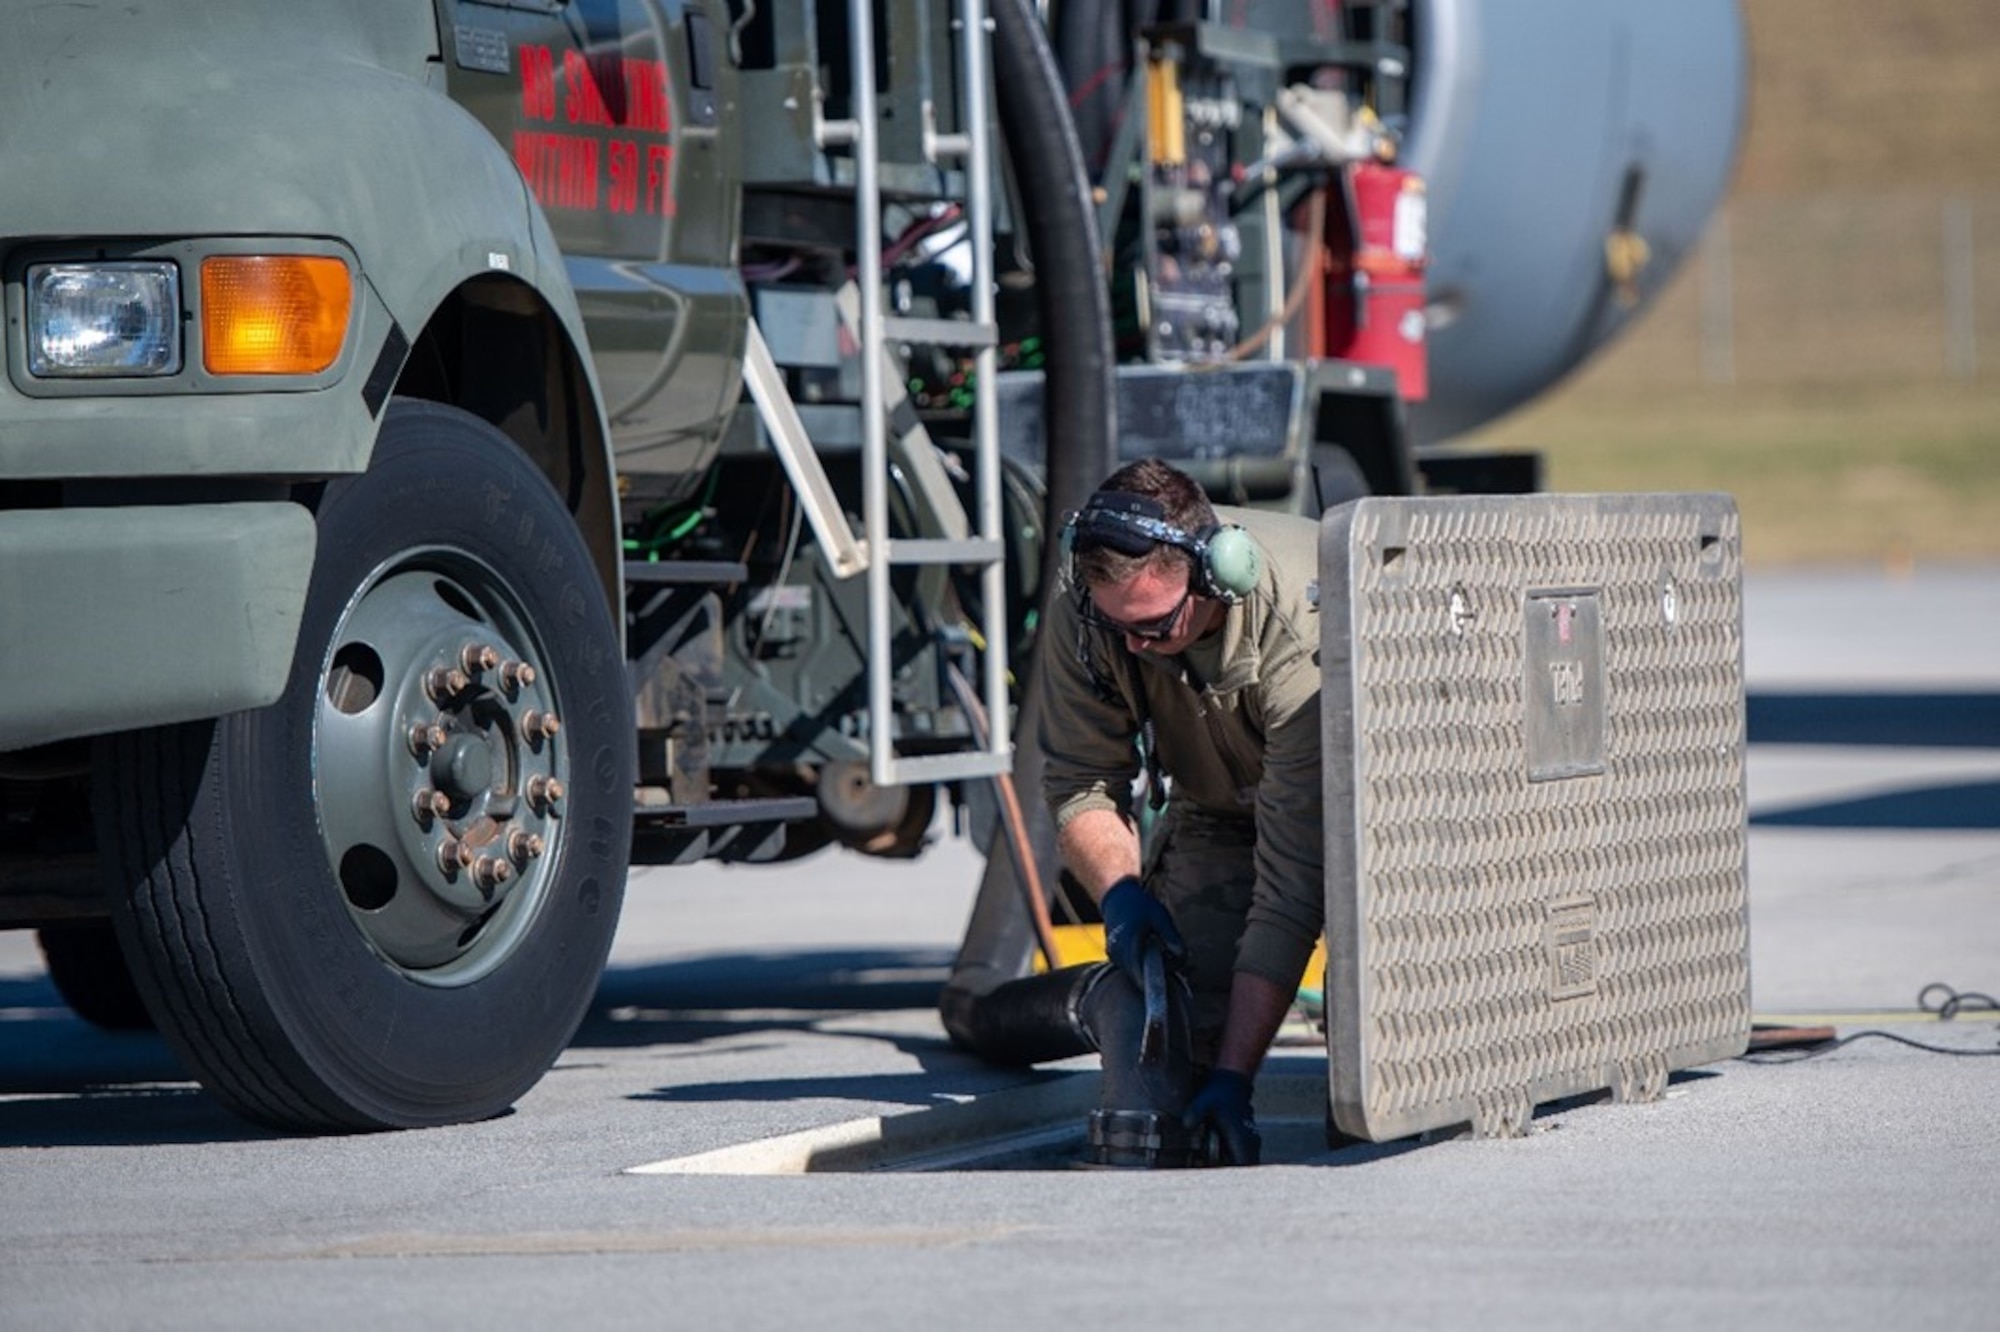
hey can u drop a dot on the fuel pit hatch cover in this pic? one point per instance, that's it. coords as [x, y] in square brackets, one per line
[1533, 730]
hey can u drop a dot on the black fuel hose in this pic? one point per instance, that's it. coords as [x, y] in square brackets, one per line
[1060, 220]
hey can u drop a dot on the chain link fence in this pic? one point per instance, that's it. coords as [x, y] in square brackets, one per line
[1827, 289]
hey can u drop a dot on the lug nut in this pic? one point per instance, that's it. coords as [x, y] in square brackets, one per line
[425, 737]
[430, 803]
[478, 657]
[489, 872]
[538, 726]
[524, 846]
[444, 683]
[453, 855]
[516, 674]
[544, 791]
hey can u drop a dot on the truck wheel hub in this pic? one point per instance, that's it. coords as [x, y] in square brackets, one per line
[439, 766]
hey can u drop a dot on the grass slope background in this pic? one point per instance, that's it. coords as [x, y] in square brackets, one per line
[1856, 106]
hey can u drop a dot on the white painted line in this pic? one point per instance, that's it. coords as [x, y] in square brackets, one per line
[865, 1144]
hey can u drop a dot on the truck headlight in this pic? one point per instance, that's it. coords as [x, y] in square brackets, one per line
[105, 320]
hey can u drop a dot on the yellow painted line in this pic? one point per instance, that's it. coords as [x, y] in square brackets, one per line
[1883, 1017]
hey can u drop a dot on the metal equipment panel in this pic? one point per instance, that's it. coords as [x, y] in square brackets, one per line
[1534, 729]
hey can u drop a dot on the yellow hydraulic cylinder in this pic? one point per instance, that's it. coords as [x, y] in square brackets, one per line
[1166, 121]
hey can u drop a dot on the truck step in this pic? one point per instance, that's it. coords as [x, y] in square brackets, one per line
[685, 571]
[719, 813]
[732, 830]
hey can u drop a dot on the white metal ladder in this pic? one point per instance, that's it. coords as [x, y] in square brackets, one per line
[875, 553]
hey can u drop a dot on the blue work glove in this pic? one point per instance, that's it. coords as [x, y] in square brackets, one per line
[1134, 917]
[1220, 1112]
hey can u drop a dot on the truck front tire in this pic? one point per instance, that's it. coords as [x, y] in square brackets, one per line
[385, 900]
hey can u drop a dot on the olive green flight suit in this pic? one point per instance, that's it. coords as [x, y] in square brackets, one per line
[1236, 728]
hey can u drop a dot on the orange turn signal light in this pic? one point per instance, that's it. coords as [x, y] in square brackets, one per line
[273, 314]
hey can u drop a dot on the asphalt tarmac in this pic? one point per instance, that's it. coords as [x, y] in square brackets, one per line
[754, 1018]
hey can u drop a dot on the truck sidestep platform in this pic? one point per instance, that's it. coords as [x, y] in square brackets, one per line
[746, 830]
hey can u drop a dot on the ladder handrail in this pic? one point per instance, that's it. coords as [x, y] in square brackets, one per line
[881, 552]
[875, 552]
[975, 96]
[874, 444]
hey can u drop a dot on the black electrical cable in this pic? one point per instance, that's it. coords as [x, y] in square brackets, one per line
[1949, 1006]
[1829, 1047]
[1955, 1001]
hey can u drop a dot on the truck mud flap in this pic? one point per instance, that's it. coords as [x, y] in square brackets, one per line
[1533, 763]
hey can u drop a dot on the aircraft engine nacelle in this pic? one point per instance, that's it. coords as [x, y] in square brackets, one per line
[1574, 152]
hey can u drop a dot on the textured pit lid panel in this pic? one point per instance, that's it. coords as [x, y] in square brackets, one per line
[1533, 761]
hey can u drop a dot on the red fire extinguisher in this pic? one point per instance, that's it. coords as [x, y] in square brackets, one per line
[1376, 252]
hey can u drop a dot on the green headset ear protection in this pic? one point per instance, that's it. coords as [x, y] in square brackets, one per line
[1226, 561]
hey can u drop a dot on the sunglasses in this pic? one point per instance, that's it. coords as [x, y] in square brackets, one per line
[1156, 630]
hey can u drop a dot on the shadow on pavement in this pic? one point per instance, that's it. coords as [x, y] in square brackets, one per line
[945, 1078]
[1957, 720]
[66, 1083]
[1936, 720]
[1960, 806]
[702, 998]
[742, 995]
